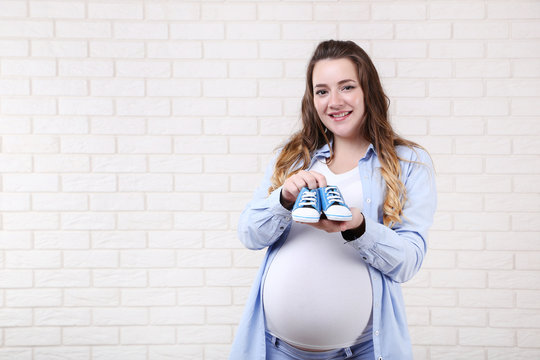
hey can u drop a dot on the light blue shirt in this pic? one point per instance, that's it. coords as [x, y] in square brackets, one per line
[393, 255]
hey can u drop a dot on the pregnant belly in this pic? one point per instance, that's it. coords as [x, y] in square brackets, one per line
[317, 292]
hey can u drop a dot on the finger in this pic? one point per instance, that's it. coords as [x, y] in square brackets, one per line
[320, 178]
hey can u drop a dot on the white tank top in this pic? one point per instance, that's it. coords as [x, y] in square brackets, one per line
[317, 292]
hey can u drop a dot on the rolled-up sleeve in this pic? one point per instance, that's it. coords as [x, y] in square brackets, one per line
[264, 219]
[399, 252]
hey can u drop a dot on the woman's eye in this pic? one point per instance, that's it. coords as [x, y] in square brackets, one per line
[321, 92]
[348, 87]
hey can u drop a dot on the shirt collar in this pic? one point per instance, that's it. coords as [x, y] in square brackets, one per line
[325, 152]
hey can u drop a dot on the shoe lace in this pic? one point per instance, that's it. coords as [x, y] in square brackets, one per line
[309, 198]
[333, 195]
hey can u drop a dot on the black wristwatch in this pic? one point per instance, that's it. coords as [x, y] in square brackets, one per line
[353, 234]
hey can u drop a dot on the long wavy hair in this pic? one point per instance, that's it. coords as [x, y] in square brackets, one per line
[297, 152]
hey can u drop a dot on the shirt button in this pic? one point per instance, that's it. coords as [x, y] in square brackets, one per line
[281, 228]
[380, 358]
[363, 257]
[377, 333]
[368, 201]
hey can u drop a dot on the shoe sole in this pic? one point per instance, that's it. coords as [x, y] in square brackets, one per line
[338, 218]
[305, 219]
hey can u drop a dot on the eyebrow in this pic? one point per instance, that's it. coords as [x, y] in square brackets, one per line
[339, 83]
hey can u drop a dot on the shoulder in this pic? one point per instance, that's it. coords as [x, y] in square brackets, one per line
[412, 154]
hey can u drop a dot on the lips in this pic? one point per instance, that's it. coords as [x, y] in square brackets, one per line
[340, 115]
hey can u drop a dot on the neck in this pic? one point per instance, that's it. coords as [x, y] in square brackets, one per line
[347, 153]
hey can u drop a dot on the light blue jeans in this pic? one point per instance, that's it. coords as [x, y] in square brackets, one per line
[277, 349]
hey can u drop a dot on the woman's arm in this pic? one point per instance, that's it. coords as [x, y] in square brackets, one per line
[264, 219]
[399, 252]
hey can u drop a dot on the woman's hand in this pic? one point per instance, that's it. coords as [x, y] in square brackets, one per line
[292, 186]
[331, 226]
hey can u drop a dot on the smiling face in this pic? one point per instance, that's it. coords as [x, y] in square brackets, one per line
[338, 98]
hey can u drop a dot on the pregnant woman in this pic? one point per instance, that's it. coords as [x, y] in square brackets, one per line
[331, 289]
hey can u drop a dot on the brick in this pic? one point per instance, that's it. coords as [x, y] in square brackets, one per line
[57, 10]
[173, 87]
[526, 145]
[254, 107]
[480, 107]
[172, 11]
[230, 163]
[229, 277]
[26, 29]
[512, 126]
[119, 352]
[485, 260]
[173, 202]
[233, 49]
[284, 12]
[94, 68]
[175, 126]
[341, 12]
[459, 317]
[28, 106]
[204, 296]
[431, 335]
[143, 107]
[117, 164]
[62, 317]
[455, 10]
[14, 87]
[87, 145]
[14, 125]
[115, 11]
[528, 299]
[30, 220]
[175, 239]
[30, 182]
[455, 353]
[484, 30]
[13, 9]
[119, 278]
[423, 107]
[88, 183]
[31, 144]
[32, 336]
[422, 69]
[528, 261]
[423, 31]
[85, 106]
[113, 126]
[176, 164]
[199, 107]
[119, 240]
[410, 11]
[59, 202]
[527, 68]
[15, 318]
[281, 88]
[60, 125]
[455, 50]
[143, 69]
[456, 88]
[119, 316]
[247, 258]
[401, 49]
[285, 50]
[254, 145]
[308, 31]
[513, 318]
[90, 259]
[148, 297]
[528, 338]
[203, 334]
[200, 221]
[87, 221]
[13, 47]
[144, 144]
[525, 202]
[91, 297]
[201, 182]
[524, 107]
[511, 49]
[457, 202]
[89, 335]
[281, 125]
[520, 241]
[33, 298]
[512, 353]
[145, 182]
[224, 314]
[483, 184]
[243, 11]
[188, 352]
[514, 280]
[457, 278]
[142, 221]
[61, 163]
[486, 337]
[116, 49]
[482, 68]
[148, 334]
[116, 202]
[15, 240]
[177, 315]
[83, 30]
[439, 259]
[117, 87]
[525, 222]
[482, 221]
[483, 145]
[230, 88]
[62, 278]
[200, 69]
[61, 352]
[230, 126]
[15, 279]
[61, 240]
[198, 31]
[140, 30]
[522, 10]
[516, 165]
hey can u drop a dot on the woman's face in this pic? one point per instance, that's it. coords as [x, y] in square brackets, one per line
[338, 97]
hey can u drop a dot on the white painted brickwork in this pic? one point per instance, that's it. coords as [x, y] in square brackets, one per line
[133, 133]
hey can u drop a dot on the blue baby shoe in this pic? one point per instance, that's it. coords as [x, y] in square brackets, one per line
[333, 205]
[307, 207]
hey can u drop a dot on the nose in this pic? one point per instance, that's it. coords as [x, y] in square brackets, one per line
[336, 101]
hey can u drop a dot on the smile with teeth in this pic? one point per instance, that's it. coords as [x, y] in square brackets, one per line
[341, 114]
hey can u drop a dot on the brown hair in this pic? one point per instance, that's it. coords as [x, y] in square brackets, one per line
[376, 128]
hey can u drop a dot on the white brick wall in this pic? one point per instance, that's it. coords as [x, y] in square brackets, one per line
[133, 133]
